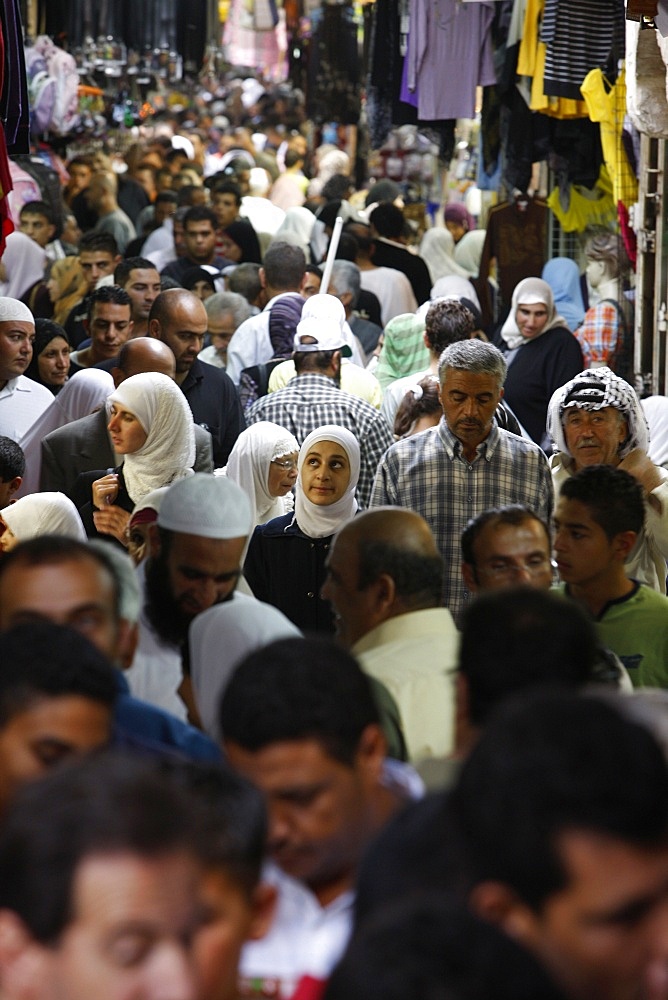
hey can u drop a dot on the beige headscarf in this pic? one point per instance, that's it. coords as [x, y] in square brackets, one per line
[529, 292]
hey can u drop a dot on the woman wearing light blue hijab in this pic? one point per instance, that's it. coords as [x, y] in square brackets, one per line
[563, 276]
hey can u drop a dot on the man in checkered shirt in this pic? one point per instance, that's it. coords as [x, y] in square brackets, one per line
[466, 464]
[313, 398]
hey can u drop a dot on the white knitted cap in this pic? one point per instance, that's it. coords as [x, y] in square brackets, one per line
[13, 310]
[208, 506]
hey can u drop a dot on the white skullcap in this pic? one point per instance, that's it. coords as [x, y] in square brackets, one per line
[208, 506]
[13, 310]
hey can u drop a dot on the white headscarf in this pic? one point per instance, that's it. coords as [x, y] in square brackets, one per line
[437, 249]
[44, 514]
[596, 389]
[296, 228]
[316, 521]
[168, 453]
[529, 292]
[24, 262]
[468, 252]
[219, 639]
[249, 466]
[84, 392]
[454, 287]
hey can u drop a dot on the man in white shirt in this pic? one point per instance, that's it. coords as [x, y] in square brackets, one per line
[22, 400]
[299, 720]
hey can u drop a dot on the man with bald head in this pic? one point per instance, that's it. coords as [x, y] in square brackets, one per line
[84, 444]
[383, 581]
[178, 318]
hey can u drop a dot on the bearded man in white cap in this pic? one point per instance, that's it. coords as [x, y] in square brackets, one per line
[22, 400]
[195, 552]
[597, 419]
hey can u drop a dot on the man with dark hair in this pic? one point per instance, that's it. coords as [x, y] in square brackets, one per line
[103, 898]
[38, 222]
[598, 520]
[12, 468]
[383, 580]
[226, 202]
[108, 324]
[387, 231]
[199, 232]
[57, 694]
[178, 318]
[506, 546]
[556, 832]
[311, 281]
[98, 256]
[69, 583]
[390, 286]
[281, 274]
[141, 281]
[314, 398]
[467, 463]
[299, 720]
[84, 444]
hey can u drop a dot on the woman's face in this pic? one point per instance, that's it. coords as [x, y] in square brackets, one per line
[53, 364]
[325, 473]
[229, 249]
[202, 289]
[53, 288]
[531, 320]
[282, 474]
[127, 434]
[456, 229]
[8, 539]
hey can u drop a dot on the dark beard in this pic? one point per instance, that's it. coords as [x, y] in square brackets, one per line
[162, 611]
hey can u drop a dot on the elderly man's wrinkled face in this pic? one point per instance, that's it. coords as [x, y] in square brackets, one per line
[594, 437]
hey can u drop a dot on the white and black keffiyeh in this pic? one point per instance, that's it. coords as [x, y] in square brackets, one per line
[597, 389]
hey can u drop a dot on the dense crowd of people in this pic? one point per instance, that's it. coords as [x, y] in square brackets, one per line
[332, 599]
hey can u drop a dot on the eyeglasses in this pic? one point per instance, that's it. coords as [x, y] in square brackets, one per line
[289, 463]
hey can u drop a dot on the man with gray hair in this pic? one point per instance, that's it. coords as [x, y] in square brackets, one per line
[225, 311]
[345, 283]
[597, 419]
[467, 463]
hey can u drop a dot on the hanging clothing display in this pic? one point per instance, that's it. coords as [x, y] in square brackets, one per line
[607, 105]
[580, 35]
[449, 55]
[14, 106]
[517, 239]
[246, 45]
[334, 91]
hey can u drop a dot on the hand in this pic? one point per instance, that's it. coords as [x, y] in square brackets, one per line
[641, 468]
[112, 520]
[105, 490]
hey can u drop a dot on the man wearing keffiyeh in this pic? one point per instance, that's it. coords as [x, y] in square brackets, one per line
[596, 419]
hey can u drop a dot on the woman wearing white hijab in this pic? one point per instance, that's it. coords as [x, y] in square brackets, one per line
[437, 249]
[541, 352]
[151, 426]
[86, 391]
[39, 514]
[263, 462]
[22, 265]
[285, 565]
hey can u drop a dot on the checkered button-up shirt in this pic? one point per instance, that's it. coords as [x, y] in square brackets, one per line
[429, 474]
[311, 400]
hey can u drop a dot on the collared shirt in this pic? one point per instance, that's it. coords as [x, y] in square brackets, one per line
[428, 473]
[311, 400]
[215, 406]
[250, 344]
[22, 401]
[415, 656]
